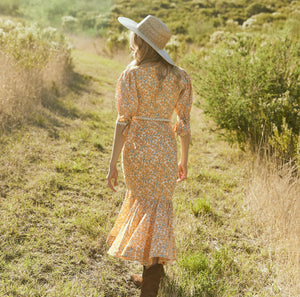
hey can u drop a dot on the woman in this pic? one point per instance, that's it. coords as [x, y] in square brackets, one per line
[148, 92]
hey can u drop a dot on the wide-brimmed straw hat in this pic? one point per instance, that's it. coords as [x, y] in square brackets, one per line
[153, 31]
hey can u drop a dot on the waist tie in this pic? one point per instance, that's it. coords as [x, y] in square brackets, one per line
[150, 119]
[127, 123]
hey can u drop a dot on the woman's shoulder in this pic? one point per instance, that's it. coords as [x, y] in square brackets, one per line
[184, 78]
[127, 73]
[130, 70]
[182, 72]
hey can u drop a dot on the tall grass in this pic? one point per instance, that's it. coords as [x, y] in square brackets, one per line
[35, 63]
[19, 92]
[274, 203]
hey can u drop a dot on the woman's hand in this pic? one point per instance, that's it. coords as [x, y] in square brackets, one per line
[112, 175]
[182, 171]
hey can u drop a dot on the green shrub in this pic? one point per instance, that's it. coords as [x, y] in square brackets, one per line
[51, 12]
[35, 64]
[69, 24]
[251, 88]
[31, 46]
[10, 7]
[256, 8]
[117, 41]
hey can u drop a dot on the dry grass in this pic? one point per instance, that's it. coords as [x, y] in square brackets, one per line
[33, 68]
[19, 91]
[22, 90]
[56, 209]
[274, 203]
[57, 72]
[98, 46]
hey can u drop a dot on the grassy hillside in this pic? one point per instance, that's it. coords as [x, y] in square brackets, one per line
[236, 219]
[195, 20]
[192, 21]
[255, 40]
[56, 210]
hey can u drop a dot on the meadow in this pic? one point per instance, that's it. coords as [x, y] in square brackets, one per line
[236, 216]
[219, 41]
[56, 209]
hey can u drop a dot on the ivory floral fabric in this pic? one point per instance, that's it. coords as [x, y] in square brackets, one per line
[144, 227]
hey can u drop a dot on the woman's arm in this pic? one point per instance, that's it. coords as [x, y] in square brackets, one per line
[118, 143]
[182, 166]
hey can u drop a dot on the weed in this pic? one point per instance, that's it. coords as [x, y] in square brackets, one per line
[201, 206]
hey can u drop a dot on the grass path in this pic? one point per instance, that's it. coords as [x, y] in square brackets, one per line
[56, 210]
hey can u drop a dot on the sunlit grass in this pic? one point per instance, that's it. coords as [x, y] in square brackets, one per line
[56, 209]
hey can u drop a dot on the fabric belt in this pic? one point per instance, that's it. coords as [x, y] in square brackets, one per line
[144, 119]
[127, 123]
[151, 119]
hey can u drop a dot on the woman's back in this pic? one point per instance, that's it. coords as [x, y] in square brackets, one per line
[157, 98]
[141, 94]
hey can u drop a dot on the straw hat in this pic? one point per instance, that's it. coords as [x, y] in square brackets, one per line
[153, 31]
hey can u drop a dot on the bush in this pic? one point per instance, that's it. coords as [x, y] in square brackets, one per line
[10, 7]
[117, 41]
[34, 63]
[69, 24]
[256, 8]
[251, 88]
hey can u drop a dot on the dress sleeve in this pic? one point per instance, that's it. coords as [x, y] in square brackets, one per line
[126, 98]
[183, 108]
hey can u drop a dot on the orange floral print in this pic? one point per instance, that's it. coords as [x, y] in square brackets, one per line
[144, 227]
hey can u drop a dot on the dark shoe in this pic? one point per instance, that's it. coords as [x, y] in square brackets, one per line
[150, 280]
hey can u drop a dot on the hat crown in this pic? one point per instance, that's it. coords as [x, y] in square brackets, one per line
[155, 30]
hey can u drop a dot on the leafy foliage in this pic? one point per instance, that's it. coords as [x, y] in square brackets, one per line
[90, 14]
[251, 86]
[31, 46]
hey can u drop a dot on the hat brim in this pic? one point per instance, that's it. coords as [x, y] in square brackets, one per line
[132, 25]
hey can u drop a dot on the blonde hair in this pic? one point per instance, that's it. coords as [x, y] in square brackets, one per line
[144, 53]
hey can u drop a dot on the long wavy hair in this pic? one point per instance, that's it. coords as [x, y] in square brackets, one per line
[143, 53]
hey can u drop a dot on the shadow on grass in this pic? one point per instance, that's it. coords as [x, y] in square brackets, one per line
[80, 83]
[170, 288]
[53, 100]
[55, 105]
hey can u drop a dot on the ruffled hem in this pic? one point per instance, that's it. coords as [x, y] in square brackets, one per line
[162, 261]
[143, 231]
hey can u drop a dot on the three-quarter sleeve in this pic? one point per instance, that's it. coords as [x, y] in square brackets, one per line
[183, 108]
[126, 97]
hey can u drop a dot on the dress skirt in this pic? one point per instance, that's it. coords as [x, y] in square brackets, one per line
[144, 227]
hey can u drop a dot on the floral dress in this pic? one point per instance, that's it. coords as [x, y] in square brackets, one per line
[144, 227]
